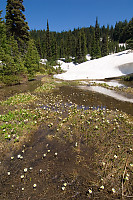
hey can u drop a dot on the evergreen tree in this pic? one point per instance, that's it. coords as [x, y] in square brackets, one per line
[97, 39]
[130, 44]
[105, 50]
[54, 49]
[93, 46]
[31, 59]
[62, 50]
[39, 48]
[83, 46]
[48, 44]
[68, 46]
[78, 58]
[15, 21]
[13, 67]
[3, 40]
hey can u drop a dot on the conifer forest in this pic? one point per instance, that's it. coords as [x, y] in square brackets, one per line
[21, 49]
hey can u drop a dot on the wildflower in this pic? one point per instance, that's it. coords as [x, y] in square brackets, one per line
[30, 168]
[115, 156]
[9, 136]
[56, 154]
[131, 164]
[102, 187]
[127, 178]
[48, 150]
[76, 144]
[90, 191]
[35, 185]
[63, 188]
[44, 155]
[65, 184]
[12, 158]
[113, 190]
[25, 170]
[18, 156]
[103, 163]
[22, 189]
[22, 176]
[9, 173]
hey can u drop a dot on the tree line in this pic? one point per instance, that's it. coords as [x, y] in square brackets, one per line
[74, 45]
[21, 49]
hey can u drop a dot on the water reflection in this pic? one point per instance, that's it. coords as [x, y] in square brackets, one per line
[108, 92]
[89, 98]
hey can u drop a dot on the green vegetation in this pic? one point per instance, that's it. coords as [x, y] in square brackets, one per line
[19, 56]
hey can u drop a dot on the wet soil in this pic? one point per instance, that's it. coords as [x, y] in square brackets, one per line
[62, 174]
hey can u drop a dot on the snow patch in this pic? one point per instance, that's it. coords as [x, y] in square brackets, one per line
[110, 66]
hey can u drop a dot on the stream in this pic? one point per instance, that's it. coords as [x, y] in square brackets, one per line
[89, 96]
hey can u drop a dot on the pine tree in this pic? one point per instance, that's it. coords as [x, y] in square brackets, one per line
[83, 46]
[62, 50]
[15, 21]
[31, 59]
[54, 49]
[97, 38]
[48, 44]
[68, 47]
[93, 46]
[105, 50]
[2, 33]
[39, 48]
[78, 58]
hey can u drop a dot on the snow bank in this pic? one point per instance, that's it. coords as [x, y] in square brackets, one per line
[110, 66]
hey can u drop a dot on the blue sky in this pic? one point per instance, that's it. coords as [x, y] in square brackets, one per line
[69, 14]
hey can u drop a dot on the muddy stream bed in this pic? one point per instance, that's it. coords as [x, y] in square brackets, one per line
[48, 167]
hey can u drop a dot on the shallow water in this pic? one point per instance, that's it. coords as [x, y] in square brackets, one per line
[90, 98]
[30, 86]
[107, 92]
